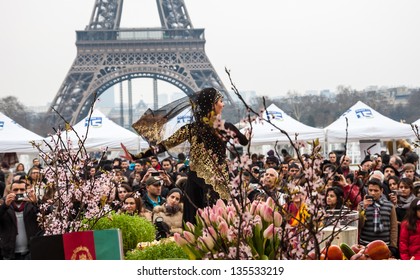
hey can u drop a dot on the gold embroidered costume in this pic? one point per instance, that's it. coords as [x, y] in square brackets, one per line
[208, 178]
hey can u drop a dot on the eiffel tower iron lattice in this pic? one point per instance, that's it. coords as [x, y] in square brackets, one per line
[108, 54]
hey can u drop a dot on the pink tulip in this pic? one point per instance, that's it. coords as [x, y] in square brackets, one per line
[213, 217]
[257, 211]
[207, 242]
[231, 218]
[267, 213]
[269, 232]
[270, 202]
[204, 214]
[221, 211]
[258, 222]
[179, 240]
[223, 228]
[189, 237]
[212, 232]
[254, 207]
[190, 227]
[277, 219]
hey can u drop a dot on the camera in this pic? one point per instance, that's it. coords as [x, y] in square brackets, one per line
[395, 192]
[369, 197]
[20, 197]
[155, 174]
[362, 173]
[253, 186]
[162, 228]
[336, 178]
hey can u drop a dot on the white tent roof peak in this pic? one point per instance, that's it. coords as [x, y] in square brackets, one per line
[15, 138]
[364, 123]
[264, 133]
[103, 132]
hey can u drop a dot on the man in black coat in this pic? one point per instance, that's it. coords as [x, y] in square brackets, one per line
[18, 222]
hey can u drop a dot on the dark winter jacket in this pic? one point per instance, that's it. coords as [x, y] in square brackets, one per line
[8, 227]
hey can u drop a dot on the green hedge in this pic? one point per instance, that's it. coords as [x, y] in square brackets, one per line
[134, 229]
[164, 249]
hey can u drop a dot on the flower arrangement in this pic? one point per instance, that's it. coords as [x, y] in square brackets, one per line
[236, 228]
[68, 196]
[224, 233]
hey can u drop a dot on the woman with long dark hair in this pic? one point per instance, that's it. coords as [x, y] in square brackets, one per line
[409, 244]
[208, 178]
[334, 198]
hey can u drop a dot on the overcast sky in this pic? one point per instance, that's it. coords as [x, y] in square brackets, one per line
[270, 46]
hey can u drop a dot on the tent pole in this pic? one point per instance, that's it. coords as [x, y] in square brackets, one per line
[394, 147]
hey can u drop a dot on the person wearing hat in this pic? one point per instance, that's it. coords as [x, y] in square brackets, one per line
[366, 164]
[389, 171]
[152, 197]
[208, 138]
[286, 156]
[171, 211]
[271, 161]
[378, 218]
[416, 188]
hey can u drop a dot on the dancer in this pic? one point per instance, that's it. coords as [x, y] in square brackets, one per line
[208, 178]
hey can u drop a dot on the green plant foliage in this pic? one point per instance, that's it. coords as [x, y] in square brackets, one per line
[134, 229]
[162, 250]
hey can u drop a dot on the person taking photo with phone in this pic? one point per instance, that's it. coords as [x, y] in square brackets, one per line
[378, 218]
[18, 221]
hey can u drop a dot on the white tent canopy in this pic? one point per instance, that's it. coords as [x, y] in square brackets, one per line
[364, 123]
[103, 133]
[15, 138]
[264, 133]
[183, 118]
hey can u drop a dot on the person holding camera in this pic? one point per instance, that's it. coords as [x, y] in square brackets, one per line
[378, 218]
[402, 197]
[168, 217]
[351, 192]
[18, 221]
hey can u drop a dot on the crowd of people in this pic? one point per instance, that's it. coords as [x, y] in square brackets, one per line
[383, 188]
[148, 188]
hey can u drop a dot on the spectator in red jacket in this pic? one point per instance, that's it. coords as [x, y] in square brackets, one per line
[410, 233]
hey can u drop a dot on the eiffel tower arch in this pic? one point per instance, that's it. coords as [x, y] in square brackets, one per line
[108, 54]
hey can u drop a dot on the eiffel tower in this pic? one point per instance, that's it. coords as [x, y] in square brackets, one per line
[108, 54]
